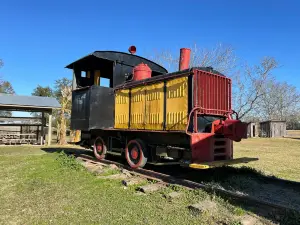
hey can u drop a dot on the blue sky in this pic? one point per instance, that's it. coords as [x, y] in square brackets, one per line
[39, 38]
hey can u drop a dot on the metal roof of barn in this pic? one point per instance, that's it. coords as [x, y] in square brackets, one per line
[27, 103]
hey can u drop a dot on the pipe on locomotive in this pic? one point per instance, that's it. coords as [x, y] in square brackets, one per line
[184, 59]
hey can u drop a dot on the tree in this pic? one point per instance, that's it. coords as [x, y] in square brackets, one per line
[43, 91]
[293, 122]
[280, 101]
[63, 93]
[5, 88]
[221, 57]
[249, 86]
[247, 81]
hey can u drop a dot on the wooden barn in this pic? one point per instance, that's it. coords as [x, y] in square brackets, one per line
[272, 128]
[26, 130]
[253, 130]
[21, 130]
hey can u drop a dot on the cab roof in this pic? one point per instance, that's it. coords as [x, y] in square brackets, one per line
[90, 61]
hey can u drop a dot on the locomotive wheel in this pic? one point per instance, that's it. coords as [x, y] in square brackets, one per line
[136, 153]
[99, 148]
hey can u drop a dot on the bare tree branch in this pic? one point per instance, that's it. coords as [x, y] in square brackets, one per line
[279, 101]
[249, 86]
[251, 95]
[221, 58]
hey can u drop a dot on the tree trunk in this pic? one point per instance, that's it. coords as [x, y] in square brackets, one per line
[72, 135]
[62, 131]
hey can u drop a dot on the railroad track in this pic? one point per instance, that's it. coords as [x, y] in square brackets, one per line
[264, 207]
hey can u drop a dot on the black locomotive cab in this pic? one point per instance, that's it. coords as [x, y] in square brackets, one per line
[94, 77]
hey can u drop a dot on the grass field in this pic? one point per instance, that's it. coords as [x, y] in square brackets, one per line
[279, 157]
[293, 133]
[49, 188]
[37, 187]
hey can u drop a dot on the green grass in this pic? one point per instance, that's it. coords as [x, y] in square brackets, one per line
[50, 188]
[293, 133]
[277, 156]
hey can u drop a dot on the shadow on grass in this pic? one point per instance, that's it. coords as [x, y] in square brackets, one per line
[222, 174]
[68, 150]
[294, 138]
[81, 152]
[244, 179]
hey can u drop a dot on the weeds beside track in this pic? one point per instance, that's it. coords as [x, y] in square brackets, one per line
[267, 209]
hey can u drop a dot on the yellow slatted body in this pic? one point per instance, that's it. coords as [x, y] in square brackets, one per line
[177, 104]
[138, 106]
[154, 106]
[147, 106]
[122, 109]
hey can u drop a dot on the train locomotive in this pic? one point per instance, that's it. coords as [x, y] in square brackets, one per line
[149, 115]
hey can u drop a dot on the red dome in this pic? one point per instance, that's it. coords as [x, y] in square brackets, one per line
[141, 72]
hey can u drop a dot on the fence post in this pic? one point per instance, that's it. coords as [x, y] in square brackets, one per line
[50, 128]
